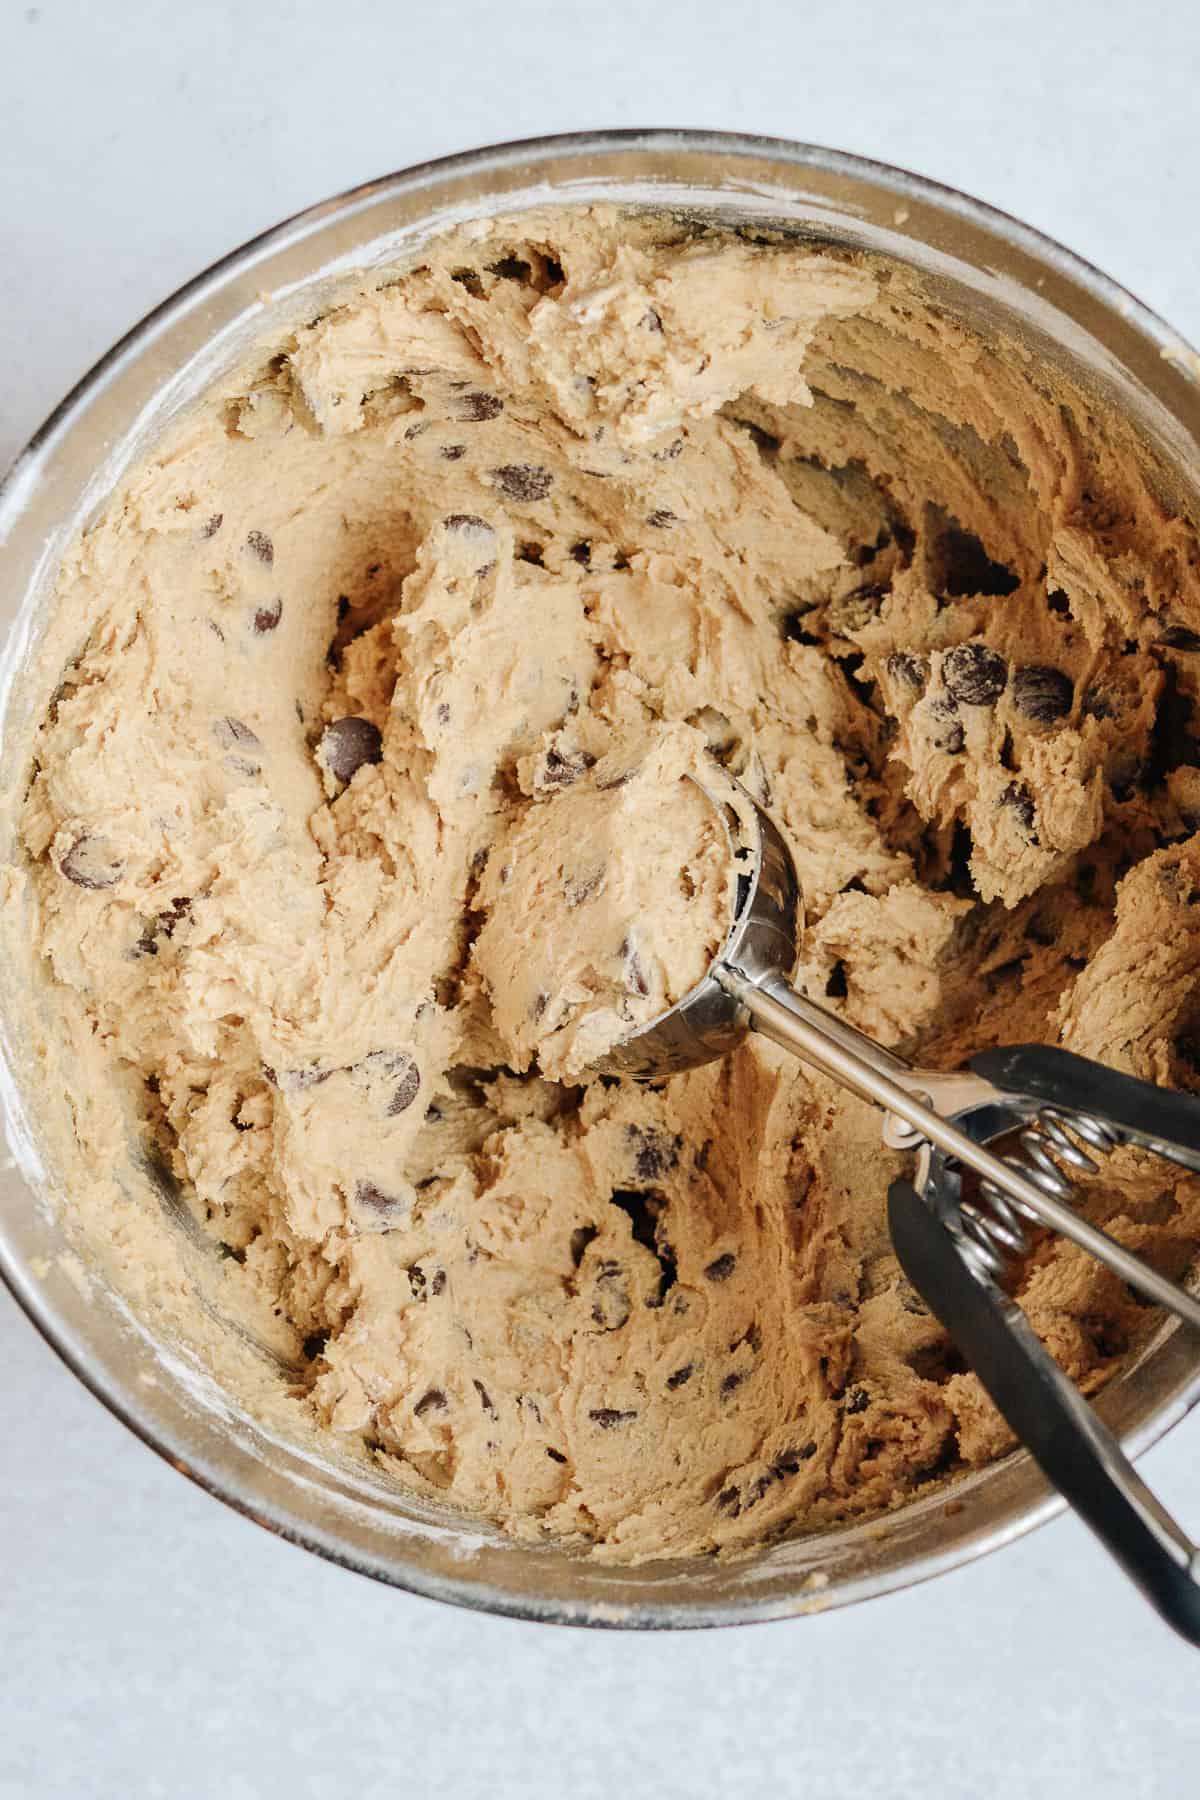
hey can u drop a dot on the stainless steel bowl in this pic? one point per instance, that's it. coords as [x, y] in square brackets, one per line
[991, 269]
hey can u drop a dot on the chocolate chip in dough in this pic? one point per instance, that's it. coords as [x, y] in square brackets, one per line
[267, 617]
[91, 862]
[1017, 798]
[433, 1400]
[721, 1268]
[635, 974]
[232, 734]
[654, 1152]
[470, 524]
[475, 408]
[406, 1088]
[453, 452]
[375, 1199]
[559, 770]
[521, 481]
[212, 525]
[681, 1377]
[609, 1417]
[348, 744]
[974, 675]
[1042, 693]
[260, 544]
[908, 670]
[946, 732]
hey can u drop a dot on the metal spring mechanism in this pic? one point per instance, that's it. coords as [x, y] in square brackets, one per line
[994, 1226]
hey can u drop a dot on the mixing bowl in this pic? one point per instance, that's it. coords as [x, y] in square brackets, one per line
[179, 1396]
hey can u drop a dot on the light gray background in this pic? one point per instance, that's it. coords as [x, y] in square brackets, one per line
[154, 1643]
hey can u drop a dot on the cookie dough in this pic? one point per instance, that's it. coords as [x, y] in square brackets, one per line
[371, 627]
[605, 901]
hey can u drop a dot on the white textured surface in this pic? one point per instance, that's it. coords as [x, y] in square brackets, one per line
[154, 1643]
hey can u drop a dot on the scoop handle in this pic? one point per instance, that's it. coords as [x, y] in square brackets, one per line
[1067, 1440]
[837, 1049]
[1159, 1118]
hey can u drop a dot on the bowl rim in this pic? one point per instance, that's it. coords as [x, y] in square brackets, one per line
[20, 480]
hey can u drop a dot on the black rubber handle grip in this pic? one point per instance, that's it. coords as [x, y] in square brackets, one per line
[1071, 1446]
[1060, 1078]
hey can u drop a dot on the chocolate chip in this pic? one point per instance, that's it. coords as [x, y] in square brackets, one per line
[670, 452]
[946, 733]
[788, 1462]
[538, 1005]
[729, 1500]
[521, 481]
[654, 1152]
[1017, 798]
[974, 674]
[406, 1088]
[635, 975]
[681, 1376]
[438, 1284]
[91, 863]
[1058, 603]
[582, 553]
[231, 733]
[211, 527]
[348, 744]
[367, 1194]
[267, 617]
[651, 320]
[560, 771]
[295, 1081]
[433, 1400]
[662, 518]
[608, 1417]
[470, 523]
[1042, 693]
[857, 1400]
[722, 1267]
[610, 1305]
[474, 408]
[485, 1399]
[731, 1383]
[909, 670]
[453, 452]
[261, 545]
[314, 1345]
